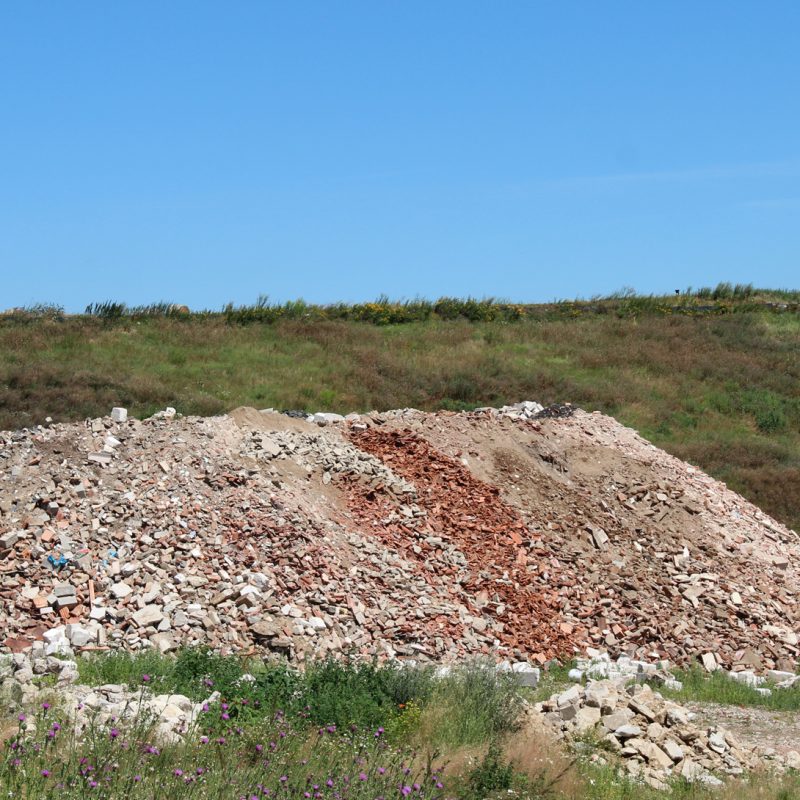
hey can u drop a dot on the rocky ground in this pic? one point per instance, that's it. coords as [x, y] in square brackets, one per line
[514, 533]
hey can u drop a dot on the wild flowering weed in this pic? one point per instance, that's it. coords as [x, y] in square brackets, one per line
[225, 756]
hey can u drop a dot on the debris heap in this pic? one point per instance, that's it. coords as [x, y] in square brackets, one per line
[524, 533]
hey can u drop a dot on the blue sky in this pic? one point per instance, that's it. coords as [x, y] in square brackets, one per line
[205, 152]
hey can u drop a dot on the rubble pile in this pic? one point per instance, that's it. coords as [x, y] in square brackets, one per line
[650, 557]
[524, 533]
[314, 451]
[655, 738]
[170, 542]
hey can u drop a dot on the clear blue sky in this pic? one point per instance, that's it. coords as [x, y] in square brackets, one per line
[203, 152]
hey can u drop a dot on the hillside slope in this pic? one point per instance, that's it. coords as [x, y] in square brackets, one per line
[722, 391]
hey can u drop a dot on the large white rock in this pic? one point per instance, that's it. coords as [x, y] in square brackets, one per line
[149, 615]
[79, 636]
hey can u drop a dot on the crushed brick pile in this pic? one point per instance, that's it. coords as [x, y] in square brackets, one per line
[511, 583]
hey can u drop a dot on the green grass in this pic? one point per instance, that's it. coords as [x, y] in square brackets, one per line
[717, 389]
[717, 688]
[325, 729]
[469, 705]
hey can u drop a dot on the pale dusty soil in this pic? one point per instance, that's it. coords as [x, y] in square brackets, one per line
[755, 727]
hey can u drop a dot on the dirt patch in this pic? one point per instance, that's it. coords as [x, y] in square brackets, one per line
[756, 727]
[252, 419]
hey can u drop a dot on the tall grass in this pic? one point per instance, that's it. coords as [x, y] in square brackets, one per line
[471, 704]
[718, 688]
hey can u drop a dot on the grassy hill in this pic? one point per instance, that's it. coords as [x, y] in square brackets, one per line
[711, 376]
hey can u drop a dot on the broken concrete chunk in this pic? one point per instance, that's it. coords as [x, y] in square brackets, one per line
[149, 615]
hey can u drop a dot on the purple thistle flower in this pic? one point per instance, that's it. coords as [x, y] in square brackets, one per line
[362, 776]
[145, 678]
[22, 718]
[45, 773]
[405, 791]
[113, 733]
[177, 773]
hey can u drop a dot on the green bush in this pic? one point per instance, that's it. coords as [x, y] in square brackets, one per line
[199, 670]
[345, 693]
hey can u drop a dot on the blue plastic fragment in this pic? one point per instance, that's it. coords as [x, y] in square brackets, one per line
[59, 562]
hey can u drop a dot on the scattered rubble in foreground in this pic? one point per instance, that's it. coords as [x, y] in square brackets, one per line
[522, 533]
[656, 739]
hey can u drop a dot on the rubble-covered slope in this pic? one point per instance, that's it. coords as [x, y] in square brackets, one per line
[399, 534]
